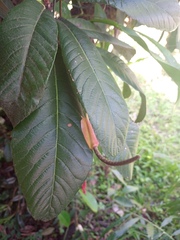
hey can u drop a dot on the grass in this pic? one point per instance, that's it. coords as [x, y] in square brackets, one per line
[158, 171]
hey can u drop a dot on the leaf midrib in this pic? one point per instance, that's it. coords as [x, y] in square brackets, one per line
[57, 136]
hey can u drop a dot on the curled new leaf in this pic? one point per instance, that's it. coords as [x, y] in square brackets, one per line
[89, 133]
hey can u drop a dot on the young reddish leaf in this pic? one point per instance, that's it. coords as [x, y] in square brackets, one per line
[89, 133]
[83, 187]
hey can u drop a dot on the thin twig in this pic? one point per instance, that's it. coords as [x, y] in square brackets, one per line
[54, 3]
[161, 36]
[60, 8]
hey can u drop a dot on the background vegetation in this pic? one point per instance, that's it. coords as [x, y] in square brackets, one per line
[152, 195]
[147, 207]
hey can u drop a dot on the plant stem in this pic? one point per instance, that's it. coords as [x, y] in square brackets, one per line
[60, 8]
[65, 235]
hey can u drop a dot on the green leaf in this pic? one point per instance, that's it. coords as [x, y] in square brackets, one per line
[112, 225]
[126, 90]
[129, 189]
[122, 70]
[64, 218]
[6, 220]
[173, 40]
[177, 232]
[150, 230]
[99, 13]
[124, 228]
[119, 176]
[167, 220]
[171, 67]
[51, 157]
[95, 87]
[125, 202]
[94, 32]
[28, 45]
[90, 200]
[161, 14]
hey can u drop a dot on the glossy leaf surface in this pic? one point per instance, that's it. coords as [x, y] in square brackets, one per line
[95, 87]
[28, 45]
[51, 157]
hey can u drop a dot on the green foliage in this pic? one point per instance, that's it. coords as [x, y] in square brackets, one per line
[89, 200]
[64, 219]
[146, 12]
[94, 84]
[153, 196]
[49, 150]
[28, 49]
[52, 74]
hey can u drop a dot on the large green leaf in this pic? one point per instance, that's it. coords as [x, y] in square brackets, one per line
[94, 32]
[95, 88]
[28, 45]
[121, 69]
[51, 157]
[161, 14]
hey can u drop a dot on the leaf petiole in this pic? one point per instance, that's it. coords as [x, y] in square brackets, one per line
[114, 163]
[93, 144]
